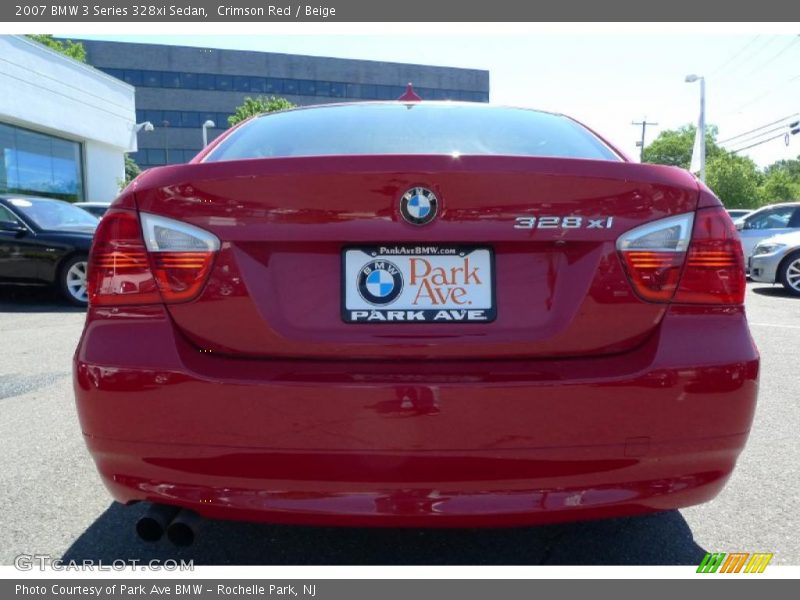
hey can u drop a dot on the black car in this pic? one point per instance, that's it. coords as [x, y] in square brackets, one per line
[45, 242]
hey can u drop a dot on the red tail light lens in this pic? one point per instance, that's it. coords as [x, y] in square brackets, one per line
[714, 272]
[181, 256]
[695, 258]
[653, 255]
[119, 269]
[169, 263]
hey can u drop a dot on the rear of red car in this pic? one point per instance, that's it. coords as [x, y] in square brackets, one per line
[509, 325]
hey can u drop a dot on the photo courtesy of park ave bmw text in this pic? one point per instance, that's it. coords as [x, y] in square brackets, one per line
[349, 299]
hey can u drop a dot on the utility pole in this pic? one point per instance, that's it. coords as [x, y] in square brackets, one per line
[644, 123]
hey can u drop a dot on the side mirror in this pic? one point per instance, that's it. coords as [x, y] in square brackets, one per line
[13, 227]
[739, 225]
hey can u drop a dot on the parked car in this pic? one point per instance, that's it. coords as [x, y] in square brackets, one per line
[98, 209]
[777, 260]
[738, 213]
[414, 313]
[766, 222]
[45, 242]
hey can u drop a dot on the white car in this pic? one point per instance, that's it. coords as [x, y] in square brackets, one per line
[766, 222]
[777, 260]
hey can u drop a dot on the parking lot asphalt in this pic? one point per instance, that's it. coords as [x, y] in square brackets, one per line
[54, 504]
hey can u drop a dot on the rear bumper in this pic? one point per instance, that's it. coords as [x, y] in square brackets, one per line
[412, 443]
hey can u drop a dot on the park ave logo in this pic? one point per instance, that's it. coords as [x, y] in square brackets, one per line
[424, 288]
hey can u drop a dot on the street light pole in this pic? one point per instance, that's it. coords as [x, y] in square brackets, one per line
[701, 125]
[703, 129]
[206, 125]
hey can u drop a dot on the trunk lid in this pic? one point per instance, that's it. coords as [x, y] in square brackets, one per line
[276, 288]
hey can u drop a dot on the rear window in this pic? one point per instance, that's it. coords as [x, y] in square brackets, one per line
[397, 128]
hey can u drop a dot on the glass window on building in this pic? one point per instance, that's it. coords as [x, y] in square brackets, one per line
[274, 86]
[172, 118]
[132, 77]
[323, 88]
[307, 88]
[223, 82]
[190, 119]
[156, 156]
[151, 78]
[170, 79]
[258, 84]
[338, 90]
[38, 164]
[205, 81]
[290, 86]
[189, 81]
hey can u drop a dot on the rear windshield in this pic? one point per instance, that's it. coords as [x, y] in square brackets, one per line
[397, 128]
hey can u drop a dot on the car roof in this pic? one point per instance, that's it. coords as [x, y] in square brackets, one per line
[408, 104]
[8, 197]
[776, 205]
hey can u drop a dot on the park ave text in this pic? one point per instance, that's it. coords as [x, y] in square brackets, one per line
[148, 11]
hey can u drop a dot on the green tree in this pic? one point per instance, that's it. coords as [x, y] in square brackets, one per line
[674, 146]
[132, 170]
[67, 47]
[791, 167]
[256, 106]
[779, 185]
[735, 179]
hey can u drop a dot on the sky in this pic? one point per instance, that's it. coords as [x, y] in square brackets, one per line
[605, 80]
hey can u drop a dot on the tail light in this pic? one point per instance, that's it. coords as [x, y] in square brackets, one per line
[694, 258]
[181, 256]
[170, 263]
[653, 255]
[714, 272]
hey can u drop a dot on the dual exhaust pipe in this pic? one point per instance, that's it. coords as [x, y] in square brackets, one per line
[179, 524]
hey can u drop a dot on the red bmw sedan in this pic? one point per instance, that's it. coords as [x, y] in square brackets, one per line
[415, 314]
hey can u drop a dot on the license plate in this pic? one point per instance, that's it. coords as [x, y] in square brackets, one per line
[418, 284]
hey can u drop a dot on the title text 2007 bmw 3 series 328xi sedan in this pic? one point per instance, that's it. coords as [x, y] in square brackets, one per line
[414, 314]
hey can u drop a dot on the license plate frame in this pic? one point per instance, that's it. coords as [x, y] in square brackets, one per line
[357, 299]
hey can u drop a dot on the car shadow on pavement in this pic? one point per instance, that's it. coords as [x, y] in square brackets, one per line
[775, 291]
[34, 300]
[658, 539]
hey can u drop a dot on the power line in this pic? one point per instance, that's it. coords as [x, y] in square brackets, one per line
[735, 55]
[757, 51]
[774, 57]
[761, 134]
[774, 88]
[759, 143]
[758, 128]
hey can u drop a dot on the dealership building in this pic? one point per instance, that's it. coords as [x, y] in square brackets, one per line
[64, 126]
[178, 88]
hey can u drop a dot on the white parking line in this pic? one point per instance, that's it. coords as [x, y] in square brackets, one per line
[780, 325]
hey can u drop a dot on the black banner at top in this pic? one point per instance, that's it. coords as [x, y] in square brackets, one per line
[282, 11]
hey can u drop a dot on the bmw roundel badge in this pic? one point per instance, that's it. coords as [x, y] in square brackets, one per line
[419, 206]
[380, 282]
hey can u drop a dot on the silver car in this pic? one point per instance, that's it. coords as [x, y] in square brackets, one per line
[777, 260]
[766, 222]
